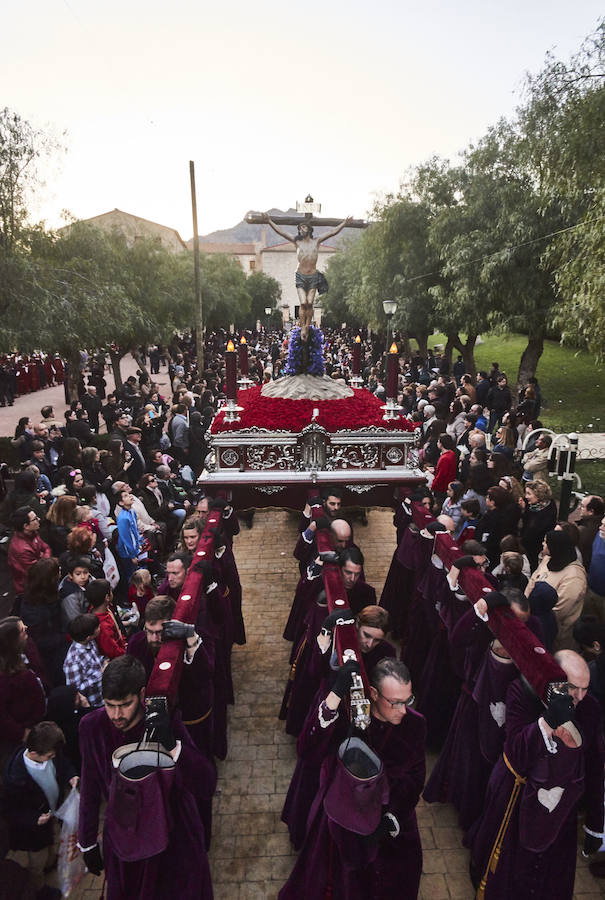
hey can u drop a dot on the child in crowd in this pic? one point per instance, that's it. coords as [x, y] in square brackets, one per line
[35, 783]
[470, 513]
[110, 641]
[72, 589]
[512, 575]
[140, 591]
[84, 663]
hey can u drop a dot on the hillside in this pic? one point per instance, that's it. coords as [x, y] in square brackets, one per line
[243, 233]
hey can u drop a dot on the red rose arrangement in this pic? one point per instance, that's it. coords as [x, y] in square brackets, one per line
[362, 410]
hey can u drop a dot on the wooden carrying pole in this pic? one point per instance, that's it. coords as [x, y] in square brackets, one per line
[199, 329]
[166, 673]
[345, 636]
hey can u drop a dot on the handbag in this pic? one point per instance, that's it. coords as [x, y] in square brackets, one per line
[139, 815]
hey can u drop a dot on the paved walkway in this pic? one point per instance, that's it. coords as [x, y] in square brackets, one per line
[251, 855]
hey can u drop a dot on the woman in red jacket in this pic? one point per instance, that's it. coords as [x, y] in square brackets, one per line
[446, 467]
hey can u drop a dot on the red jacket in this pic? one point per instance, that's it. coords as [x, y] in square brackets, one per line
[110, 641]
[445, 471]
[23, 552]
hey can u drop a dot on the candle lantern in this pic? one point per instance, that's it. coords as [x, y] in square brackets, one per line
[231, 368]
[356, 379]
[357, 355]
[244, 381]
[392, 365]
[391, 409]
[243, 356]
[231, 407]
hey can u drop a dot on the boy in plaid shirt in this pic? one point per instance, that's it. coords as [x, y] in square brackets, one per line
[84, 663]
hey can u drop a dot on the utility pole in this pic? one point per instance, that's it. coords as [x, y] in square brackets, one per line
[199, 330]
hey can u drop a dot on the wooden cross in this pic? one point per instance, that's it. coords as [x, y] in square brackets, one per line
[308, 208]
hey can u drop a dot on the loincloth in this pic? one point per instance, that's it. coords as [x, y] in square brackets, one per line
[315, 281]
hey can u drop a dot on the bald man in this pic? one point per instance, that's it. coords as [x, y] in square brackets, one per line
[553, 756]
[305, 550]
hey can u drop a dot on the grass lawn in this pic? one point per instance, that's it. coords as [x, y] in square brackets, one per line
[572, 384]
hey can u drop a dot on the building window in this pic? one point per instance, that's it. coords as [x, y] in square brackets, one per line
[252, 264]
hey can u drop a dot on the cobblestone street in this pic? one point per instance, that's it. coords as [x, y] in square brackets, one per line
[251, 855]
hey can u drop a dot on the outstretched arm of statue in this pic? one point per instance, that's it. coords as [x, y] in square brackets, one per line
[277, 229]
[334, 231]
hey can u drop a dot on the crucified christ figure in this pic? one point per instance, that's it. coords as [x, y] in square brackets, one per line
[308, 280]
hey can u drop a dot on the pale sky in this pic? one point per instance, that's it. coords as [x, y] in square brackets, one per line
[271, 100]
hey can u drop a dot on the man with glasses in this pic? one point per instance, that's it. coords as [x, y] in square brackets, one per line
[196, 689]
[525, 843]
[333, 852]
[26, 546]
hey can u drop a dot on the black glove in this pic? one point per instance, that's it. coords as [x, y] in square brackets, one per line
[205, 567]
[159, 727]
[560, 710]
[314, 569]
[177, 631]
[315, 501]
[329, 556]
[495, 599]
[344, 679]
[322, 522]
[591, 844]
[464, 562]
[94, 861]
[388, 827]
[219, 503]
[342, 616]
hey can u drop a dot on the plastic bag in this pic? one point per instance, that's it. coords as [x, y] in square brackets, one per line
[110, 568]
[70, 862]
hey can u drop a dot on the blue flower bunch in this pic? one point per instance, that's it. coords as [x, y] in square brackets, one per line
[296, 353]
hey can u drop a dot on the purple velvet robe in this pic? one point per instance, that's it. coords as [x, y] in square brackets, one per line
[396, 870]
[538, 854]
[196, 688]
[437, 685]
[214, 621]
[304, 783]
[462, 771]
[305, 673]
[305, 552]
[361, 595]
[230, 577]
[182, 870]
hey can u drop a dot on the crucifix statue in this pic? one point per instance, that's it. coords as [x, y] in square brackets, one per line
[309, 280]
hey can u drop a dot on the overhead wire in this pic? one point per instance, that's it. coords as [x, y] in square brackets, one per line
[511, 249]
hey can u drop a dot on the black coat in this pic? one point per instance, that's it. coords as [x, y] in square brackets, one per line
[534, 528]
[495, 524]
[43, 621]
[499, 400]
[159, 512]
[24, 802]
[137, 469]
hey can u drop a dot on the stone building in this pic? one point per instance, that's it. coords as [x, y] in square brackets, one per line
[277, 260]
[135, 228]
[257, 248]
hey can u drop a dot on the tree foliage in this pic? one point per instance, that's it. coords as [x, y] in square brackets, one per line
[510, 237]
[264, 292]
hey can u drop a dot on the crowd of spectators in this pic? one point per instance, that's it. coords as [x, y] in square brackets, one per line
[99, 542]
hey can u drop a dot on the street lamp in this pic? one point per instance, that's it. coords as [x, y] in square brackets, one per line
[390, 308]
[268, 312]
